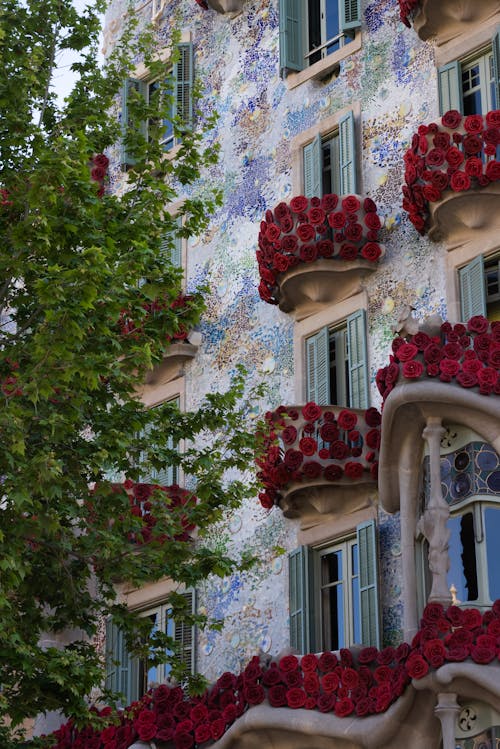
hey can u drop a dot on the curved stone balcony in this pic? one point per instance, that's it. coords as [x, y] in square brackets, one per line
[315, 251]
[319, 460]
[452, 178]
[443, 20]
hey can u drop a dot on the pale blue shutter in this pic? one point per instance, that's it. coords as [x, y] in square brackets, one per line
[349, 14]
[450, 87]
[291, 34]
[318, 367]
[368, 584]
[300, 569]
[358, 359]
[472, 289]
[184, 635]
[312, 168]
[495, 44]
[347, 152]
[122, 674]
[183, 80]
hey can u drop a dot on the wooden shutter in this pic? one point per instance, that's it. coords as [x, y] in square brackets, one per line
[184, 634]
[347, 152]
[121, 669]
[349, 14]
[291, 25]
[318, 367]
[183, 78]
[368, 583]
[312, 168]
[358, 359]
[495, 45]
[300, 571]
[472, 289]
[450, 87]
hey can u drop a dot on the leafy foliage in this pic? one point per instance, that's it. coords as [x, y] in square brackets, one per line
[74, 260]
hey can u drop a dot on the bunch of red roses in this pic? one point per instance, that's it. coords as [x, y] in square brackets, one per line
[406, 10]
[313, 443]
[155, 309]
[307, 229]
[99, 171]
[339, 683]
[459, 154]
[142, 506]
[468, 355]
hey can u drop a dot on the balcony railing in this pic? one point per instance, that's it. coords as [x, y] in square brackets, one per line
[318, 458]
[313, 251]
[445, 19]
[452, 177]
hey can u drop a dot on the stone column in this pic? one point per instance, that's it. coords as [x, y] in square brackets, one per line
[436, 514]
[447, 710]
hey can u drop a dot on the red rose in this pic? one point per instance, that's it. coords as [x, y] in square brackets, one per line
[296, 697]
[311, 683]
[326, 247]
[316, 216]
[326, 702]
[351, 204]
[440, 180]
[481, 654]
[472, 144]
[312, 470]
[333, 472]
[459, 181]
[350, 678]
[412, 370]
[347, 420]
[309, 662]
[311, 411]
[478, 324]
[330, 682]
[435, 157]
[98, 173]
[473, 123]
[293, 459]
[344, 707]
[308, 253]
[452, 351]
[373, 439]
[272, 232]
[371, 250]
[466, 379]
[293, 678]
[406, 352]
[336, 220]
[306, 232]
[299, 204]
[416, 666]
[339, 450]
[454, 157]
[368, 655]
[435, 653]
[372, 221]
[487, 376]
[202, 733]
[457, 653]
[218, 726]
[492, 170]
[472, 619]
[432, 193]
[353, 470]
[328, 432]
[281, 262]
[276, 696]
[473, 166]
[288, 663]
[451, 119]
[327, 662]
[183, 741]
[449, 367]
[329, 201]
[254, 694]
[348, 251]
[289, 435]
[372, 417]
[432, 613]
[289, 243]
[353, 232]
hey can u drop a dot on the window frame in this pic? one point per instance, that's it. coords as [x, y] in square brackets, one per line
[473, 285]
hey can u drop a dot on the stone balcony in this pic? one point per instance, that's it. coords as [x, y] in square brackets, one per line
[319, 460]
[315, 251]
[443, 20]
[452, 178]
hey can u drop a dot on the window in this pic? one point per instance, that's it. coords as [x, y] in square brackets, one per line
[336, 364]
[479, 283]
[471, 85]
[179, 81]
[132, 677]
[334, 594]
[312, 29]
[329, 161]
[170, 474]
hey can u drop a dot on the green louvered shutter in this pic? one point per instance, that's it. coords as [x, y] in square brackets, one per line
[347, 155]
[349, 14]
[184, 634]
[312, 168]
[172, 253]
[183, 77]
[358, 359]
[318, 368]
[368, 584]
[121, 670]
[300, 570]
[495, 45]
[291, 35]
[472, 289]
[131, 84]
[450, 87]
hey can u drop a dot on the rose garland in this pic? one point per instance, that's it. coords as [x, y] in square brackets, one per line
[99, 171]
[459, 154]
[406, 10]
[310, 228]
[131, 328]
[468, 355]
[289, 450]
[330, 683]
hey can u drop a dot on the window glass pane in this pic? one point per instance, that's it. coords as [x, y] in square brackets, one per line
[331, 568]
[356, 624]
[153, 675]
[314, 12]
[492, 534]
[462, 574]
[332, 23]
[333, 617]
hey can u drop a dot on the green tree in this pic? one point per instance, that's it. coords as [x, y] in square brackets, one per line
[88, 305]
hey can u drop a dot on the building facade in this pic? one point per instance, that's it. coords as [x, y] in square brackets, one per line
[354, 263]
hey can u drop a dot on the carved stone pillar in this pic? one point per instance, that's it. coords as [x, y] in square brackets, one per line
[447, 710]
[436, 515]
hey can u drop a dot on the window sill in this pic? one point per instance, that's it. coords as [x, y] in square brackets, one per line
[172, 365]
[323, 68]
[227, 6]
[460, 217]
[444, 20]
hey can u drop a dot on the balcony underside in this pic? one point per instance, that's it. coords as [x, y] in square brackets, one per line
[309, 287]
[461, 217]
[443, 20]
[315, 502]
[406, 410]
[172, 365]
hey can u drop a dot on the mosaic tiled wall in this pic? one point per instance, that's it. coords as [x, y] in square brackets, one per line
[236, 61]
